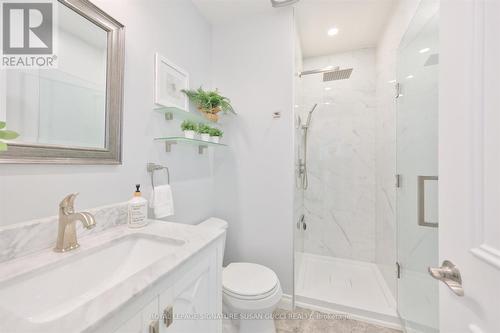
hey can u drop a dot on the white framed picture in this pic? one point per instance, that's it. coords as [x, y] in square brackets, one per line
[170, 79]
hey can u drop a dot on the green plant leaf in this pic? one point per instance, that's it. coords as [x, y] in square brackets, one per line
[208, 99]
[203, 129]
[3, 146]
[2, 124]
[188, 126]
[8, 135]
[216, 132]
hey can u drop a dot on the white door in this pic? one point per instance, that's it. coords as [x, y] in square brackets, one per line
[469, 165]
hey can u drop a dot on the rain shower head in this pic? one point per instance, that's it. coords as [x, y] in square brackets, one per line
[337, 75]
[283, 3]
[330, 74]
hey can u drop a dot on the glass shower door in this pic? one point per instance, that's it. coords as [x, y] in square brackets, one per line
[299, 223]
[417, 168]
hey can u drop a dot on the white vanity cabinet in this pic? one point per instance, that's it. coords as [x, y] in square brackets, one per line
[126, 280]
[188, 301]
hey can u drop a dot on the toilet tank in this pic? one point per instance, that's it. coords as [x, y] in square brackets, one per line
[215, 223]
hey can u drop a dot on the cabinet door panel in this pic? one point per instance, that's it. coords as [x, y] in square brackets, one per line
[133, 325]
[192, 299]
[141, 321]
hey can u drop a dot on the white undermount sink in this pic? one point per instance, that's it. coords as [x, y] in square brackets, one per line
[46, 294]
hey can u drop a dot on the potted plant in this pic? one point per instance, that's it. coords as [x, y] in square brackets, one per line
[5, 135]
[189, 128]
[209, 102]
[215, 135]
[204, 131]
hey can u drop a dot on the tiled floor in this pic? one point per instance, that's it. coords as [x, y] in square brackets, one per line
[307, 321]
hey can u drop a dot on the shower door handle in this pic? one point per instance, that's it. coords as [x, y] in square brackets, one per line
[421, 181]
[449, 274]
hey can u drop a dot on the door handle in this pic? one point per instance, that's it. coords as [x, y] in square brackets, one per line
[450, 275]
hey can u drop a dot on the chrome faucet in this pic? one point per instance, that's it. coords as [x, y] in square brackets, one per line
[66, 234]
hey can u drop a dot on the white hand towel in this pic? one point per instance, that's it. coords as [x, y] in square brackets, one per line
[162, 201]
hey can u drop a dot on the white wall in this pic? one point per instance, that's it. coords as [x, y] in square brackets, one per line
[385, 138]
[339, 203]
[253, 62]
[177, 30]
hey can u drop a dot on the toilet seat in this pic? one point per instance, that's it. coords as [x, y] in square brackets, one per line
[252, 297]
[248, 281]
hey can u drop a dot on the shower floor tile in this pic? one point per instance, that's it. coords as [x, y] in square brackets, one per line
[346, 285]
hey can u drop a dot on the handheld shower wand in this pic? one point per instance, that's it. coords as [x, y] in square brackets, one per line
[309, 117]
[303, 162]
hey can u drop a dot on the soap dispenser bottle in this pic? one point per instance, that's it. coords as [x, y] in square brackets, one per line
[137, 210]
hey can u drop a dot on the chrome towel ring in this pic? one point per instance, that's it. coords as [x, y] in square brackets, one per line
[152, 167]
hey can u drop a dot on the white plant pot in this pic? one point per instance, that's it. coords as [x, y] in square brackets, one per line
[215, 139]
[205, 137]
[189, 134]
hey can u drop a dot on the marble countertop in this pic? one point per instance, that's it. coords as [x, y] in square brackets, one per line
[95, 308]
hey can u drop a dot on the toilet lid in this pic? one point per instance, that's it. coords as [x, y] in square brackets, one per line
[247, 279]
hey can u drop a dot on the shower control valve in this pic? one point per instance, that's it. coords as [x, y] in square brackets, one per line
[301, 224]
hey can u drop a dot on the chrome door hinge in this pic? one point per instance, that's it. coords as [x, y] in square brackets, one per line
[398, 270]
[397, 182]
[397, 87]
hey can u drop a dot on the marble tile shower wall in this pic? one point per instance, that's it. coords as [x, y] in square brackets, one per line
[340, 201]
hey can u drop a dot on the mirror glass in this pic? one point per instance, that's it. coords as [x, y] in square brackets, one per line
[63, 106]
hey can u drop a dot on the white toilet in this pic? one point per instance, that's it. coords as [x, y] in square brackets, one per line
[251, 292]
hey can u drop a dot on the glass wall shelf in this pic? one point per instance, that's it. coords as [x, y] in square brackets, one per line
[171, 112]
[202, 145]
